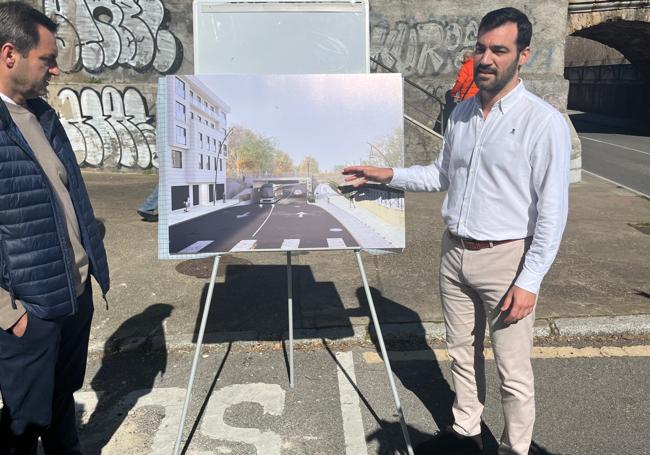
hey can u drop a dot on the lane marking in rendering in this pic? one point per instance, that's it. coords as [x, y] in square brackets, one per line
[267, 218]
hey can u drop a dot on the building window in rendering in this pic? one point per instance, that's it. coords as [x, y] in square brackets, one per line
[177, 159]
[180, 111]
[180, 88]
[181, 135]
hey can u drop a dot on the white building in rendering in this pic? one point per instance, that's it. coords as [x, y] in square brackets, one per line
[197, 134]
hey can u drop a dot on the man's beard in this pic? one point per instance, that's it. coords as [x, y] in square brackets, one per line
[39, 89]
[500, 80]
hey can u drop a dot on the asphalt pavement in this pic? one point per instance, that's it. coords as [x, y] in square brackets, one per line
[589, 401]
[616, 149]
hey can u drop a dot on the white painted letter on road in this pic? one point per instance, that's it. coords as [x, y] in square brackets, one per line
[269, 396]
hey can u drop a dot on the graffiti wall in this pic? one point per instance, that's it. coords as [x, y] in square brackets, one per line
[109, 128]
[95, 35]
[111, 55]
[423, 48]
[435, 47]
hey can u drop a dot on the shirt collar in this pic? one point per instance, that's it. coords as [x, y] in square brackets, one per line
[511, 98]
[505, 103]
[6, 99]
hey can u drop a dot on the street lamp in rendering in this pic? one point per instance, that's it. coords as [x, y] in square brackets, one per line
[222, 144]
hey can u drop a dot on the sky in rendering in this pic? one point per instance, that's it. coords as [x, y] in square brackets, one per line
[330, 117]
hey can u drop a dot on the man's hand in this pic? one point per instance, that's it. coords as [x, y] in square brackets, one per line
[20, 326]
[519, 302]
[360, 175]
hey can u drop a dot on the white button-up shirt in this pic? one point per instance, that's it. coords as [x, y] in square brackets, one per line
[506, 176]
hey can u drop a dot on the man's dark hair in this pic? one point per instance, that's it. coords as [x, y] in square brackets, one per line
[19, 25]
[498, 17]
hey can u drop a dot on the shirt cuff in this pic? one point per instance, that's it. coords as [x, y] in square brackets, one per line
[399, 179]
[529, 281]
[9, 316]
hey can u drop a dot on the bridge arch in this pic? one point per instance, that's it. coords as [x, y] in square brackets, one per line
[622, 25]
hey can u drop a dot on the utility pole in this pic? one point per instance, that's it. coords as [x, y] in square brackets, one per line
[222, 143]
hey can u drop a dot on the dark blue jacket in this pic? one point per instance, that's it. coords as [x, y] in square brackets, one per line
[36, 260]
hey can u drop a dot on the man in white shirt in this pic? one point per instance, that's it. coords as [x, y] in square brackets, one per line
[505, 167]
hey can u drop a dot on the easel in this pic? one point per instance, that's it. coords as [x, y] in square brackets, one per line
[375, 321]
[317, 5]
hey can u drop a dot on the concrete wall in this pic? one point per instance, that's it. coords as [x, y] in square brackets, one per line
[113, 52]
[619, 90]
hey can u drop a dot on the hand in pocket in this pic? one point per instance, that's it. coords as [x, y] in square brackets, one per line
[19, 327]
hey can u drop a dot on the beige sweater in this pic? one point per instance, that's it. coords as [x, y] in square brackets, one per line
[56, 174]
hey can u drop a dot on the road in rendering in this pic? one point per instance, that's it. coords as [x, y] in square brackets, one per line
[614, 150]
[291, 223]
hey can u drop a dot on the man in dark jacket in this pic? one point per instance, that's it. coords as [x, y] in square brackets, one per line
[49, 245]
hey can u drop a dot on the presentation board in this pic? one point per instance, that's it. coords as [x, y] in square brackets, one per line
[253, 163]
[281, 37]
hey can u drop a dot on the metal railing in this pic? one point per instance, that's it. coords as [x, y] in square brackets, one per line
[438, 121]
[582, 6]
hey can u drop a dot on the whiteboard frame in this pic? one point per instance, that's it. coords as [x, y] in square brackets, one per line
[282, 5]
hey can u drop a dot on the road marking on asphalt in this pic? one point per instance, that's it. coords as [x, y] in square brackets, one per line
[336, 230]
[539, 352]
[267, 218]
[244, 245]
[196, 246]
[616, 183]
[336, 243]
[243, 215]
[270, 397]
[355, 441]
[615, 145]
[290, 244]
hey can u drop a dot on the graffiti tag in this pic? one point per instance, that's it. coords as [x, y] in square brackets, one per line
[98, 34]
[109, 128]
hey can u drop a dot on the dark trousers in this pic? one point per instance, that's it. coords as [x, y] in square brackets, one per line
[38, 374]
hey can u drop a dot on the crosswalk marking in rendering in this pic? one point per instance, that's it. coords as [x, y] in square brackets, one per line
[336, 242]
[196, 246]
[290, 244]
[245, 245]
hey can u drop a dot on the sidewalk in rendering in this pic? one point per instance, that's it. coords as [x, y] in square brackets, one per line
[599, 284]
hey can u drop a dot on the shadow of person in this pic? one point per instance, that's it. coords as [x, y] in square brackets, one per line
[424, 379]
[536, 449]
[127, 372]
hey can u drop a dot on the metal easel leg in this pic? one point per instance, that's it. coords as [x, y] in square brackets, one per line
[384, 354]
[197, 353]
[290, 294]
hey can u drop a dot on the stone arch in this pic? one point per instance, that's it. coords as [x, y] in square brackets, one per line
[625, 29]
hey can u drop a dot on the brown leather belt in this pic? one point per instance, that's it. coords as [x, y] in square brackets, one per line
[475, 245]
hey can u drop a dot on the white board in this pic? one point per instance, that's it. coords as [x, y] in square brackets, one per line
[281, 37]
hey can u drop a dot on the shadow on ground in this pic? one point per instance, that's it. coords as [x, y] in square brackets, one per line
[124, 378]
[251, 305]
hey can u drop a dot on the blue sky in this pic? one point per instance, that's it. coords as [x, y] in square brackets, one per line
[331, 117]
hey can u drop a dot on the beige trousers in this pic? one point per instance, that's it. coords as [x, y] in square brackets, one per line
[472, 286]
